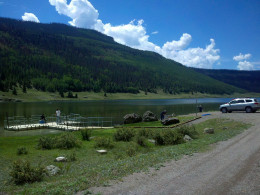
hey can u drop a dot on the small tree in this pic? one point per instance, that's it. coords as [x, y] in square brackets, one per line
[24, 88]
[14, 91]
[76, 96]
[70, 95]
[61, 94]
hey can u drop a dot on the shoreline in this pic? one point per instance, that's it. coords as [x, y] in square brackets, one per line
[39, 96]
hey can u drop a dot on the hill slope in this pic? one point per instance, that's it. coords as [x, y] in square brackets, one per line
[248, 80]
[57, 57]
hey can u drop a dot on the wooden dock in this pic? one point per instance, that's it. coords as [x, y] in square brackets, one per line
[52, 125]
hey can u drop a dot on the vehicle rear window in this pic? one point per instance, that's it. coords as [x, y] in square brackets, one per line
[249, 100]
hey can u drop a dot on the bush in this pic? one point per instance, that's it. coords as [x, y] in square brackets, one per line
[22, 150]
[103, 142]
[141, 141]
[46, 143]
[131, 149]
[148, 133]
[22, 173]
[63, 141]
[67, 141]
[124, 134]
[85, 133]
[188, 130]
[168, 137]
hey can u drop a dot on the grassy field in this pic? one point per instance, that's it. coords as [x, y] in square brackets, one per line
[93, 169]
[33, 95]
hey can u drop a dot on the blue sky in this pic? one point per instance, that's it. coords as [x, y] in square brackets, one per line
[220, 34]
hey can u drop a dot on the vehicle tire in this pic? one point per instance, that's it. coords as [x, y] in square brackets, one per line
[224, 110]
[249, 110]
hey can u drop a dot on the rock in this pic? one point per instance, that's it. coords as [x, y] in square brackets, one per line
[102, 151]
[170, 121]
[173, 115]
[224, 128]
[151, 140]
[187, 138]
[132, 118]
[209, 130]
[149, 116]
[52, 170]
[61, 159]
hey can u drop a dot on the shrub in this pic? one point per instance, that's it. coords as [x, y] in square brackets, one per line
[46, 143]
[168, 137]
[63, 141]
[188, 130]
[141, 141]
[72, 157]
[172, 137]
[103, 142]
[85, 133]
[22, 150]
[131, 149]
[22, 173]
[67, 141]
[148, 133]
[124, 134]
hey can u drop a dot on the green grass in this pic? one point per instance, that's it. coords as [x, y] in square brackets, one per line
[33, 95]
[92, 169]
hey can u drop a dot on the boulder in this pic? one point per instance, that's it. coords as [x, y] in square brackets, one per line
[187, 138]
[209, 130]
[52, 170]
[61, 159]
[102, 151]
[149, 116]
[170, 121]
[132, 118]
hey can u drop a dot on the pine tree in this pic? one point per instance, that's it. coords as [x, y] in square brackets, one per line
[24, 89]
[14, 91]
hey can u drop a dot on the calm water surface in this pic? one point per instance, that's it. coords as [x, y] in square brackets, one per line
[109, 108]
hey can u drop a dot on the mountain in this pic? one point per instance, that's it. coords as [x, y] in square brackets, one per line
[58, 57]
[248, 80]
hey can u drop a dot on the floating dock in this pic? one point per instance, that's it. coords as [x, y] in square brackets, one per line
[72, 122]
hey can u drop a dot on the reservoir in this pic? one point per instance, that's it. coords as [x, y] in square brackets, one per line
[109, 108]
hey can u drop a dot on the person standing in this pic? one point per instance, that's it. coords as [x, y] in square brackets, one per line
[58, 116]
[200, 108]
[163, 114]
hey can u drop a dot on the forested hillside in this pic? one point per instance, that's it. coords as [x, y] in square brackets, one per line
[57, 57]
[248, 80]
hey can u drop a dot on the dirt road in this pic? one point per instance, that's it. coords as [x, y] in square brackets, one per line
[231, 167]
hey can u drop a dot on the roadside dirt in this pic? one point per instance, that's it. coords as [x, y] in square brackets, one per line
[231, 167]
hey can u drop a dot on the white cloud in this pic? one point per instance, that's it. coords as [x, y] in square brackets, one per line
[242, 57]
[155, 32]
[30, 17]
[245, 65]
[134, 34]
[82, 12]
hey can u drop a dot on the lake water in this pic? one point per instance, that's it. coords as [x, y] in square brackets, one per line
[109, 108]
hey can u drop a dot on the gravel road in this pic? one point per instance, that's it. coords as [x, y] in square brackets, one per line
[231, 167]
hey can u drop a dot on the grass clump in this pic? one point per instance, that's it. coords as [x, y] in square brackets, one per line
[22, 150]
[148, 133]
[188, 130]
[72, 157]
[168, 137]
[141, 141]
[62, 141]
[67, 141]
[131, 149]
[46, 142]
[103, 142]
[22, 172]
[124, 134]
[86, 134]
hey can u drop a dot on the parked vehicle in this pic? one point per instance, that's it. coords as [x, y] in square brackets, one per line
[240, 104]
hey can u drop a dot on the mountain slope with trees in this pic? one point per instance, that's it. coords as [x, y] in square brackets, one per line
[58, 57]
[248, 80]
